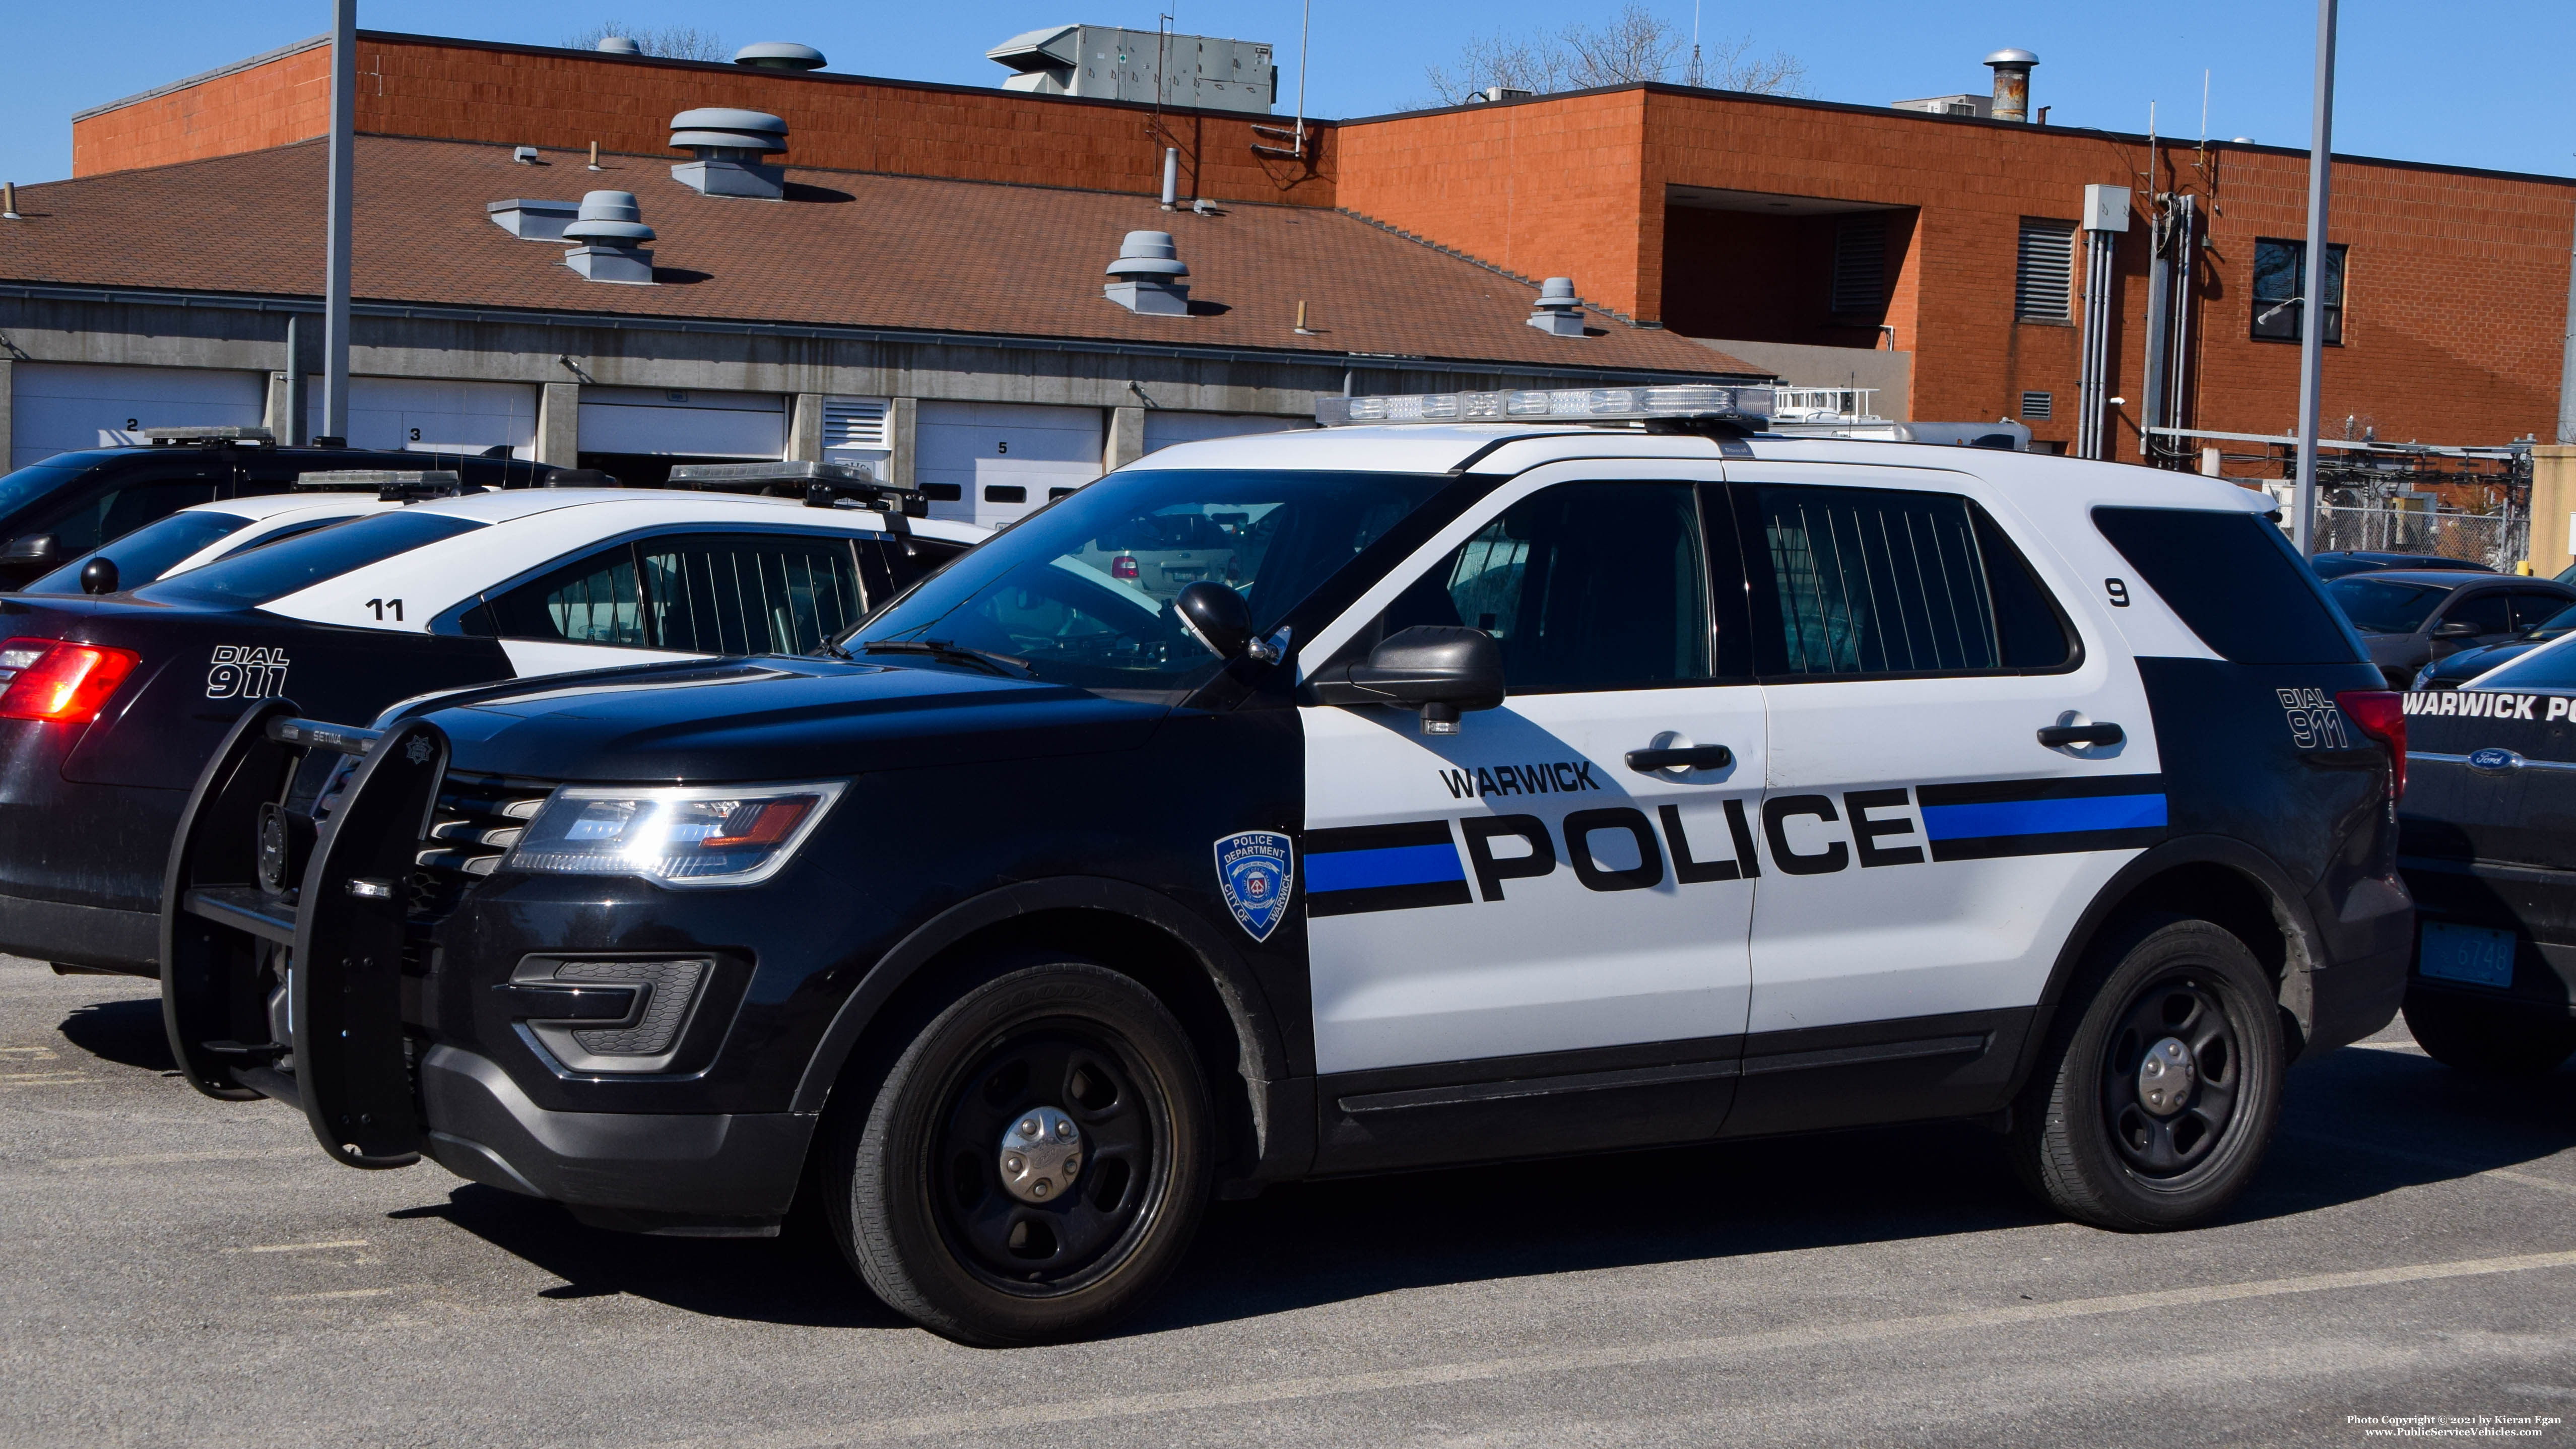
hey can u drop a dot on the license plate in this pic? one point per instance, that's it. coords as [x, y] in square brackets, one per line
[2467, 953]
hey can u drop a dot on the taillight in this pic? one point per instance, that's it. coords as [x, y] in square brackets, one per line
[49, 679]
[1122, 567]
[2380, 714]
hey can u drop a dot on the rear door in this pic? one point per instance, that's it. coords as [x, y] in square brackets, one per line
[1926, 854]
[679, 596]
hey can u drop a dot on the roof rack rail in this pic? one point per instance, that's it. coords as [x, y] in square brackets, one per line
[390, 485]
[821, 485]
[210, 437]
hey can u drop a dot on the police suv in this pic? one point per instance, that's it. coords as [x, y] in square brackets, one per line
[1539, 773]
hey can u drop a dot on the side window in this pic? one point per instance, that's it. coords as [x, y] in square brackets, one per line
[593, 601]
[1866, 581]
[2488, 611]
[2531, 608]
[111, 515]
[1587, 585]
[749, 594]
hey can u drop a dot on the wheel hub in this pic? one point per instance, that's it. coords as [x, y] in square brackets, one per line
[2165, 1077]
[1041, 1154]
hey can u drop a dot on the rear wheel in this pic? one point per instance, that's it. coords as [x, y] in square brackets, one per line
[2490, 1038]
[1035, 1162]
[2154, 1104]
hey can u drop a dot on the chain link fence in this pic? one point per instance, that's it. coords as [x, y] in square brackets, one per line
[2499, 540]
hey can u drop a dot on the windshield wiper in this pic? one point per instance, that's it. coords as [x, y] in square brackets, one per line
[951, 653]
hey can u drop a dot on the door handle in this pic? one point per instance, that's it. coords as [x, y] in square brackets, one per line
[1697, 757]
[2054, 736]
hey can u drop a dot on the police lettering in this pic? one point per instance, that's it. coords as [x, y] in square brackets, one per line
[242, 672]
[1530, 850]
[1551, 777]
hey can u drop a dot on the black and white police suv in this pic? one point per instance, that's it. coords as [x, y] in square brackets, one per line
[110, 706]
[1535, 774]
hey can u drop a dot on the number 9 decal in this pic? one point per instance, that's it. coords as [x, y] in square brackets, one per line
[2118, 591]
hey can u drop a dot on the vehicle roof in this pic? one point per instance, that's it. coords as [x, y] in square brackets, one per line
[264, 506]
[2443, 578]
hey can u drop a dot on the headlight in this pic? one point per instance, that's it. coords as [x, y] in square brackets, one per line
[689, 836]
[2423, 679]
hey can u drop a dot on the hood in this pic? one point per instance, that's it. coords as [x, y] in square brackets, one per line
[2470, 663]
[774, 718]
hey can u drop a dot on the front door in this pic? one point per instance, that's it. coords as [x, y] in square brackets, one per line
[1518, 893]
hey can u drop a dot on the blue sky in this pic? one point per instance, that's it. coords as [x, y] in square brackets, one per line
[2483, 87]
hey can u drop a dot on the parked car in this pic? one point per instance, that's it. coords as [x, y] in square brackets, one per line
[66, 507]
[201, 533]
[2467, 664]
[2491, 862]
[112, 704]
[1537, 790]
[2410, 618]
[2337, 565]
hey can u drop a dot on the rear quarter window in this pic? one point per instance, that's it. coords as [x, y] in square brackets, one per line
[2232, 578]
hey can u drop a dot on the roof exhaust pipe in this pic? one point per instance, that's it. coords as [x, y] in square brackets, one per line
[2012, 83]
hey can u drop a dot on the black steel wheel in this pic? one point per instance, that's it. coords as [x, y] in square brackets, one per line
[2490, 1038]
[2157, 1092]
[1034, 1162]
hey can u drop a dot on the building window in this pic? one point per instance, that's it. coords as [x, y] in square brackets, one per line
[2280, 291]
[2037, 407]
[1860, 266]
[2044, 283]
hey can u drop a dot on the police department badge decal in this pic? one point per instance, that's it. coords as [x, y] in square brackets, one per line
[1254, 872]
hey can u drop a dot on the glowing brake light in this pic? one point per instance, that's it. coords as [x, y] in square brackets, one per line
[1122, 567]
[2381, 714]
[49, 679]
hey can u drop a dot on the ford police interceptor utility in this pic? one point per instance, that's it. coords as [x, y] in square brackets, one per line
[1539, 773]
[110, 706]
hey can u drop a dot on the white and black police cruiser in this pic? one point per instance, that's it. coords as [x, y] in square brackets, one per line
[1536, 773]
[111, 705]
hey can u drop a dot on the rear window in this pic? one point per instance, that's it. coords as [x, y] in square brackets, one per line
[141, 556]
[2233, 579]
[255, 576]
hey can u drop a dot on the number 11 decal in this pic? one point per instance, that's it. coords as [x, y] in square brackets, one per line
[380, 605]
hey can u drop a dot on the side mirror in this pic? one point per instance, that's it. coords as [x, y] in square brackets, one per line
[1217, 617]
[1439, 669]
[2457, 629]
[35, 550]
[98, 576]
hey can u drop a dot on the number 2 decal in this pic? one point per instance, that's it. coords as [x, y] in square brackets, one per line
[2119, 592]
[380, 605]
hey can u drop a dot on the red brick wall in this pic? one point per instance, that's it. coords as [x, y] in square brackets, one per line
[456, 91]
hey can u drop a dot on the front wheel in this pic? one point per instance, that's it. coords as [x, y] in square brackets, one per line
[2490, 1038]
[1035, 1162]
[2153, 1108]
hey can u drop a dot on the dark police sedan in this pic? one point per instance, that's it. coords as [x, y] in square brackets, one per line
[2409, 618]
[2458, 669]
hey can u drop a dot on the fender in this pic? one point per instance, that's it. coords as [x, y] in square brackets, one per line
[2287, 905]
[1255, 1025]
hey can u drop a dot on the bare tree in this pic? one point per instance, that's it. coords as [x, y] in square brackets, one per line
[1634, 45]
[670, 42]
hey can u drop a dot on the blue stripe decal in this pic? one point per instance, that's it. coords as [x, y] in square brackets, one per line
[2043, 817]
[1352, 870]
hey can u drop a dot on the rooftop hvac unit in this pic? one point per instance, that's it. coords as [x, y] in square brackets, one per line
[1107, 63]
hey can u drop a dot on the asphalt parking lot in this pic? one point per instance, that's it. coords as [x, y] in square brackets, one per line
[185, 1271]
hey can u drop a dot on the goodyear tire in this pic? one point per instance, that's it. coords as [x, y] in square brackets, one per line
[1035, 1162]
[2156, 1097]
[2494, 1039]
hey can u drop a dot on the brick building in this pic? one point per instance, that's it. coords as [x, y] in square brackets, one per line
[1934, 257]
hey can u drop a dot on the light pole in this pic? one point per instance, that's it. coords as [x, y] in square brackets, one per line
[2312, 312]
[335, 271]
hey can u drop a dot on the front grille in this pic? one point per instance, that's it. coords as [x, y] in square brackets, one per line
[476, 821]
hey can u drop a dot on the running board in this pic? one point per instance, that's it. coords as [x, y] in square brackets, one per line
[1469, 1092]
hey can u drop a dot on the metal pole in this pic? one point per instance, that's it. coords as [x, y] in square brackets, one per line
[2567, 364]
[297, 433]
[335, 283]
[2312, 315]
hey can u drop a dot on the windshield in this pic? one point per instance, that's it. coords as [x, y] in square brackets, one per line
[1081, 591]
[32, 483]
[2377, 606]
[141, 556]
[2549, 669]
[2553, 626]
[257, 575]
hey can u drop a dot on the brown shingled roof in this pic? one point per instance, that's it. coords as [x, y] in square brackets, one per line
[846, 249]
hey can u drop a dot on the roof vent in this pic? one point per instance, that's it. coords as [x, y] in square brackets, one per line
[532, 220]
[2012, 84]
[1149, 272]
[525, 155]
[1558, 312]
[729, 144]
[779, 55]
[611, 233]
[619, 45]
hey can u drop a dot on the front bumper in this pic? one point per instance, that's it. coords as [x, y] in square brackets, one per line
[712, 1171]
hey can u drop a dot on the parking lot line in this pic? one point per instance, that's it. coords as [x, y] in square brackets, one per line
[41, 1079]
[165, 1159]
[333, 1294]
[985, 1421]
[301, 1247]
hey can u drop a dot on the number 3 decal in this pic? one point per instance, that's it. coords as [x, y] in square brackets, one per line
[2118, 591]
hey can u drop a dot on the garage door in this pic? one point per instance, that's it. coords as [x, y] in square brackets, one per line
[1163, 429]
[57, 407]
[452, 417]
[683, 422]
[991, 463]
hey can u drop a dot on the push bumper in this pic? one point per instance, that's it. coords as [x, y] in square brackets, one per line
[711, 1170]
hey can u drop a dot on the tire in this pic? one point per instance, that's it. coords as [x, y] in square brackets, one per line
[2489, 1038]
[920, 1202]
[2092, 1139]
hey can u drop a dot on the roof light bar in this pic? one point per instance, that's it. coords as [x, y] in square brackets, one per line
[821, 485]
[390, 485]
[181, 437]
[1748, 407]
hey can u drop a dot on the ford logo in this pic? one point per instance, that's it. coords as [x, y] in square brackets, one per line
[2494, 760]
